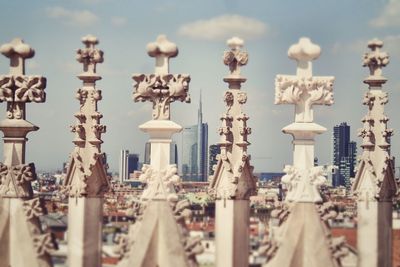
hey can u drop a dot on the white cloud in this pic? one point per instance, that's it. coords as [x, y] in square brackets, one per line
[118, 21]
[81, 18]
[389, 16]
[223, 27]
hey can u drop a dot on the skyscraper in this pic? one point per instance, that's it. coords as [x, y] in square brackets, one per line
[123, 165]
[195, 150]
[173, 154]
[344, 155]
[128, 164]
[214, 150]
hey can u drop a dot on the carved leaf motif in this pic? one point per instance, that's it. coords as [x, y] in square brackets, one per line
[81, 95]
[30, 89]
[161, 90]
[24, 173]
[229, 57]
[6, 88]
[3, 173]
[32, 208]
[242, 97]
[89, 55]
[43, 244]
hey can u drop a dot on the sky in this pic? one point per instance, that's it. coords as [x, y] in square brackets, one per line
[200, 29]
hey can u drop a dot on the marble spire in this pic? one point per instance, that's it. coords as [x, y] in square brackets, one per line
[375, 186]
[21, 238]
[86, 180]
[159, 236]
[303, 238]
[233, 182]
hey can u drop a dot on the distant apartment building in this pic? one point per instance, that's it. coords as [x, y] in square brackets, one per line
[213, 152]
[344, 156]
[194, 150]
[128, 164]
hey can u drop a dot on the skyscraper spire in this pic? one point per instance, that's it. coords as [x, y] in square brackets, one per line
[200, 112]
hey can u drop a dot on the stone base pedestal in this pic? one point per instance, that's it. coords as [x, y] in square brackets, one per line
[85, 219]
[232, 233]
[374, 234]
[16, 249]
[303, 240]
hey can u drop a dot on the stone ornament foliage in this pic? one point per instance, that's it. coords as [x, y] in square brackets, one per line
[233, 177]
[374, 179]
[20, 209]
[86, 175]
[327, 211]
[159, 184]
[182, 214]
[17, 88]
[303, 89]
[304, 184]
[375, 60]
[161, 88]
[15, 181]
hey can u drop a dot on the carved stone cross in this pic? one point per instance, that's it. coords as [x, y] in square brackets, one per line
[89, 55]
[235, 58]
[17, 88]
[17, 51]
[375, 59]
[161, 88]
[304, 90]
[162, 49]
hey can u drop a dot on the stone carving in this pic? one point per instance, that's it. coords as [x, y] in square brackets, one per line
[376, 167]
[89, 56]
[182, 215]
[16, 88]
[161, 88]
[43, 244]
[159, 213]
[159, 183]
[15, 181]
[80, 180]
[303, 184]
[233, 177]
[375, 185]
[302, 226]
[20, 212]
[303, 90]
[32, 208]
[375, 60]
[235, 58]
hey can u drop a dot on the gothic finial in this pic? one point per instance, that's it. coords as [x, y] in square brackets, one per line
[375, 60]
[89, 55]
[161, 88]
[17, 51]
[304, 52]
[235, 58]
[162, 49]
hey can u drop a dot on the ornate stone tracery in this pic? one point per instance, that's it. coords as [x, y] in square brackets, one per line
[20, 211]
[161, 88]
[87, 156]
[233, 178]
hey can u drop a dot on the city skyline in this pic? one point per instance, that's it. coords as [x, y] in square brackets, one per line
[344, 155]
[194, 149]
[54, 29]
